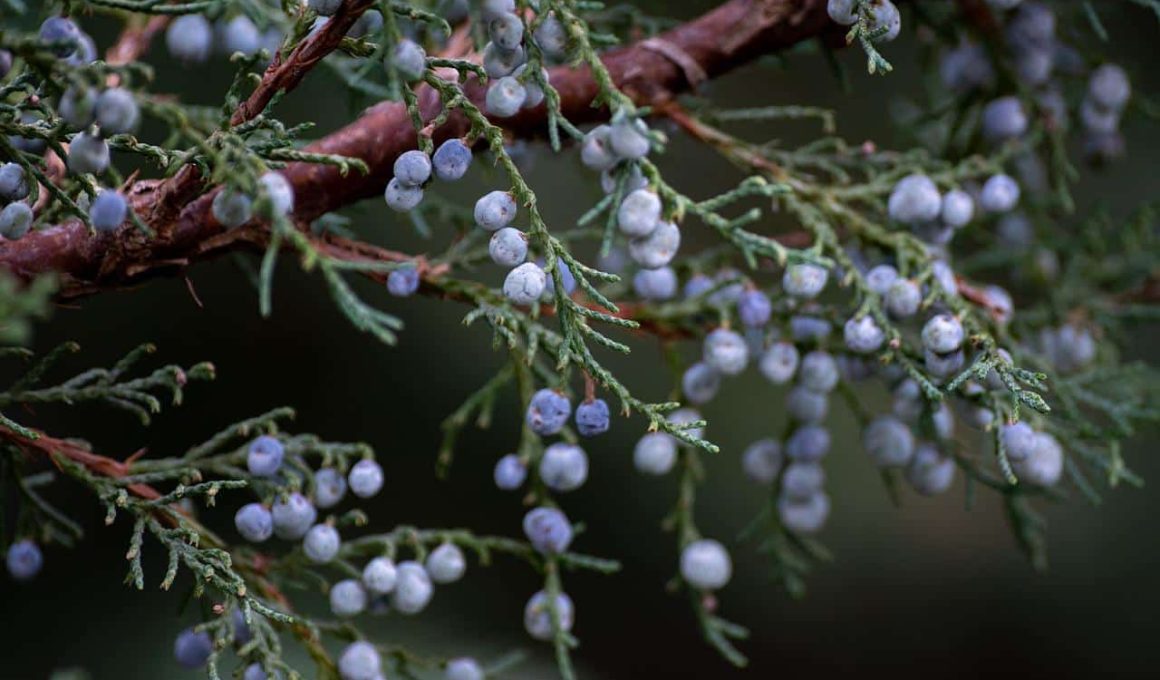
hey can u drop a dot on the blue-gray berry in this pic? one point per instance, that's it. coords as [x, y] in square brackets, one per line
[495, 210]
[278, 191]
[804, 280]
[347, 598]
[190, 38]
[506, 30]
[655, 453]
[903, 298]
[451, 160]
[369, 23]
[510, 472]
[88, 154]
[880, 278]
[884, 16]
[842, 11]
[779, 363]
[463, 668]
[78, 106]
[807, 406]
[762, 460]
[379, 576]
[108, 210]
[655, 284]
[629, 138]
[232, 208]
[658, 248]
[321, 543]
[726, 351]
[402, 197]
[413, 167]
[1000, 193]
[293, 516]
[24, 560]
[957, 208]
[1044, 467]
[265, 456]
[13, 183]
[942, 366]
[117, 112]
[62, 34]
[596, 149]
[360, 661]
[254, 522]
[863, 335]
[942, 333]
[446, 563]
[404, 281]
[548, 530]
[15, 220]
[525, 284]
[255, 671]
[366, 478]
[192, 648]
[804, 516]
[505, 97]
[819, 371]
[329, 488]
[592, 418]
[413, 588]
[1004, 119]
[639, 213]
[915, 199]
[538, 619]
[889, 442]
[409, 60]
[564, 467]
[551, 37]
[548, 412]
[754, 308]
[930, 472]
[498, 62]
[705, 564]
[508, 247]
[1109, 87]
[808, 443]
[700, 383]
[1018, 440]
[802, 481]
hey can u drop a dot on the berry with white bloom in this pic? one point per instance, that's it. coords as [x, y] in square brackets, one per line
[1003, 119]
[726, 351]
[321, 543]
[495, 210]
[464, 668]
[903, 298]
[655, 284]
[293, 516]
[1000, 194]
[548, 412]
[864, 335]
[360, 661]
[705, 564]
[655, 453]
[264, 457]
[409, 60]
[915, 199]
[1044, 466]
[957, 208]
[508, 247]
[658, 248]
[254, 522]
[779, 363]
[819, 371]
[930, 471]
[842, 11]
[278, 189]
[538, 615]
[639, 213]
[804, 280]
[413, 588]
[348, 598]
[446, 564]
[700, 383]
[943, 333]
[806, 516]
[329, 488]
[889, 442]
[366, 478]
[413, 167]
[564, 467]
[379, 576]
[808, 444]
[510, 472]
[880, 278]
[525, 284]
[762, 460]
[802, 481]
[451, 160]
[548, 530]
[806, 406]
[754, 308]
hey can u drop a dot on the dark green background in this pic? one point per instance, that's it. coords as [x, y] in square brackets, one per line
[928, 588]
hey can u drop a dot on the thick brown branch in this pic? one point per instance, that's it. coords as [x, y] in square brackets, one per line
[723, 39]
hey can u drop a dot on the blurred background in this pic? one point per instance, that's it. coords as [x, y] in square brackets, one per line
[928, 587]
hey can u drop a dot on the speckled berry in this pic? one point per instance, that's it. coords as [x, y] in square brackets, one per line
[451, 160]
[548, 530]
[942, 333]
[379, 576]
[592, 418]
[402, 197]
[538, 619]
[525, 284]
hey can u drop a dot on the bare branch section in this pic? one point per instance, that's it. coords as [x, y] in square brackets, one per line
[652, 72]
